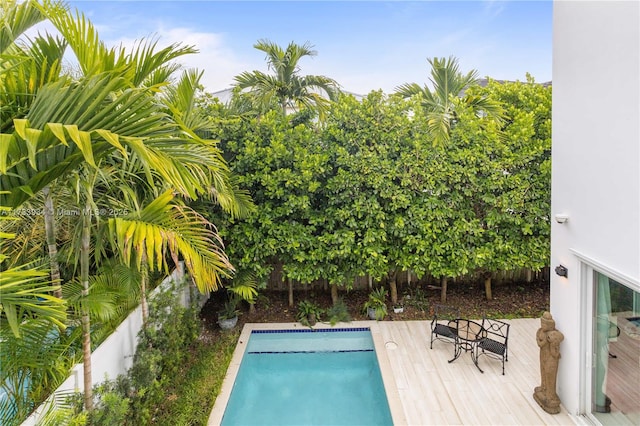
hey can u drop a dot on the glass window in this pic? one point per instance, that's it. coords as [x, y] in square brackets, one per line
[615, 395]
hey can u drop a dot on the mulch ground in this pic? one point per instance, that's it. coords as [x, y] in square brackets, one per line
[518, 300]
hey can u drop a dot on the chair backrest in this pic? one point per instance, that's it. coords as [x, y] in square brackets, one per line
[445, 312]
[496, 330]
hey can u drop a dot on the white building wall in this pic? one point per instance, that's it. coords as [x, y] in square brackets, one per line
[595, 161]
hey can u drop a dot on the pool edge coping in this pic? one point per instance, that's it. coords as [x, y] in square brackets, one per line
[388, 379]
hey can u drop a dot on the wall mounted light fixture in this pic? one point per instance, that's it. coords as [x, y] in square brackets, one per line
[562, 217]
[562, 271]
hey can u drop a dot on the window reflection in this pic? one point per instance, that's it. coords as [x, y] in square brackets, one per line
[616, 368]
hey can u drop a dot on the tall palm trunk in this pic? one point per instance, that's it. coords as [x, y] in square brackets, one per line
[86, 324]
[144, 280]
[50, 229]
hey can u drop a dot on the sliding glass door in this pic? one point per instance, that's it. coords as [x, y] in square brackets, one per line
[615, 372]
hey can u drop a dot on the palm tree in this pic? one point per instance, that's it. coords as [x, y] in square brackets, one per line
[450, 89]
[152, 226]
[68, 126]
[286, 87]
[28, 313]
[33, 66]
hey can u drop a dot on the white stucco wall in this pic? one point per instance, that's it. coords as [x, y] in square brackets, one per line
[595, 159]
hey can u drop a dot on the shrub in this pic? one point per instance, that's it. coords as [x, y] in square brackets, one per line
[163, 346]
[339, 312]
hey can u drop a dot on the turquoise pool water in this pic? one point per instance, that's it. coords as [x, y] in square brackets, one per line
[296, 377]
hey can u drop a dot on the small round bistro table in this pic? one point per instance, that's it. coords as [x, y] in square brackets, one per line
[469, 334]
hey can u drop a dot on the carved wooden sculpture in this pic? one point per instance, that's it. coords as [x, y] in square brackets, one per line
[548, 339]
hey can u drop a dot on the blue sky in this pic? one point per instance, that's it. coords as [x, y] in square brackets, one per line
[364, 45]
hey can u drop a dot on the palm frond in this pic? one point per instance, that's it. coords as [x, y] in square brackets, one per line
[244, 285]
[320, 83]
[48, 146]
[25, 292]
[163, 228]
[102, 302]
[180, 99]
[15, 18]
[147, 60]
[33, 365]
[233, 200]
[32, 69]
[26, 227]
[92, 54]
[408, 90]
[485, 106]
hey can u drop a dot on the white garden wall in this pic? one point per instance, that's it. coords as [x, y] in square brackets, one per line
[115, 355]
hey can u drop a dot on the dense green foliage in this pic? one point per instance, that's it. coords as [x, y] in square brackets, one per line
[195, 391]
[367, 192]
[164, 347]
[103, 166]
[99, 165]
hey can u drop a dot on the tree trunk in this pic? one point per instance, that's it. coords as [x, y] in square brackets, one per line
[487, 286]
[393, 286]
[290, 282]
[144, 279]
[252, 308]
[334, 293]
[529, 275]
[86, 324]
[370, 282]
[50, 230]
[443, 289]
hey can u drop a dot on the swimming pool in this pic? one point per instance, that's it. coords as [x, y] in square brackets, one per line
[310, 377]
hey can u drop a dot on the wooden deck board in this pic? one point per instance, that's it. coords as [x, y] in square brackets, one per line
[434, 391]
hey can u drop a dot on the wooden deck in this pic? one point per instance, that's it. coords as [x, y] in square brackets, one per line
[424, 389]
[433, 392]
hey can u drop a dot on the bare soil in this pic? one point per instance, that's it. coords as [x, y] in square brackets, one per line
[517, 300]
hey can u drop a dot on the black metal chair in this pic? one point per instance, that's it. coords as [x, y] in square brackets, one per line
[496, 341]
[443, 326]
[614, 332]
